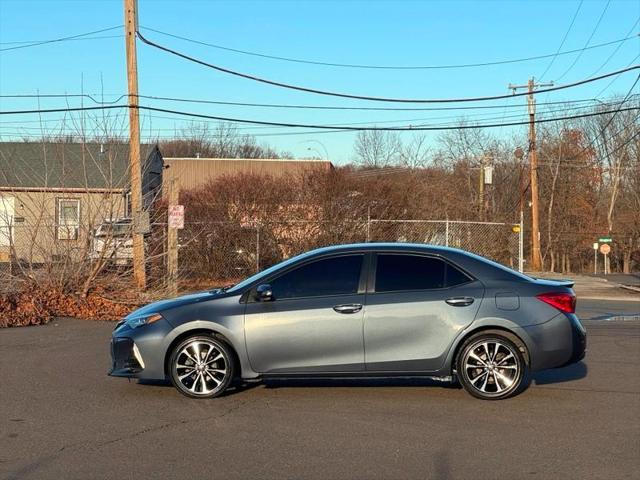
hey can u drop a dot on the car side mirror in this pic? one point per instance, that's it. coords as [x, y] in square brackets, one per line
[264, 293]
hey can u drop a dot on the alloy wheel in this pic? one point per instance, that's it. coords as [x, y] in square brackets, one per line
[201, 367]
[492, 367]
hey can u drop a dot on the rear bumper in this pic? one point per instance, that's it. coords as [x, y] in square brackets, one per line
[578, 342]
[557, 343]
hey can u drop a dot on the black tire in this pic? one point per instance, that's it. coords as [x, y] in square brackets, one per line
[493, 365]
[203, 378]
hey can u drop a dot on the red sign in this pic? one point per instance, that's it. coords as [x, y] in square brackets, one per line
[605, 248]
[176, 216]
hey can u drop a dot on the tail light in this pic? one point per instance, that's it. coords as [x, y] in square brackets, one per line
[565, 302]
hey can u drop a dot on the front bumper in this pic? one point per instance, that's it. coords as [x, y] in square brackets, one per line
[139, 352]
[124, 362]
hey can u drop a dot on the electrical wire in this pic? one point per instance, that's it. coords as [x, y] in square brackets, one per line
[64, 39]
[616, 50]
[291, 106]
[380, 67]
[593, 32]
[608, 85]
[371, 98]
[319, 127]
[564, 39]
[66, 95]
[454, 120]
[375, 128]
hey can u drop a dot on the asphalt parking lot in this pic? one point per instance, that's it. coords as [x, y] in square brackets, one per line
[63, 418]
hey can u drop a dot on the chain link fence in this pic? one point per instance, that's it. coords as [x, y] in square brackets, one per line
[221, 253]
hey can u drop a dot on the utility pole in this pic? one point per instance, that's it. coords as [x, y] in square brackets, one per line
[131, 26]
[172, 241]
[481, 190]
[536, 257]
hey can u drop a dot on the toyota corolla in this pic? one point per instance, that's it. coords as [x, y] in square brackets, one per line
[363, 310]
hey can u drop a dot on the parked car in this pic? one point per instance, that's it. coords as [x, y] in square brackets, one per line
[112, 242]
[363, 310]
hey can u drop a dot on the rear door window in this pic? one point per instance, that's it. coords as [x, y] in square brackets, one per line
[401, 272]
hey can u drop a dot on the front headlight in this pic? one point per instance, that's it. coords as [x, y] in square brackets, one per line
[139, 320]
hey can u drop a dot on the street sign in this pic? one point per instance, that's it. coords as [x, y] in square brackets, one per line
[605, 239]
[605, 248]
[141, 222]
[595, 246]
[176, 216]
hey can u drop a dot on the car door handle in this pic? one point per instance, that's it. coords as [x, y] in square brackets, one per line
[348, 308]
[459, 301]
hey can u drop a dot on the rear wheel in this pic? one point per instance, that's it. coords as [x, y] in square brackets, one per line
[201, 367]
[491, 366]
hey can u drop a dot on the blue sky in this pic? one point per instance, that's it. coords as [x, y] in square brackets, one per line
[374, 32]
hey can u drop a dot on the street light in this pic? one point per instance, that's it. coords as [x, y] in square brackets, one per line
[326, 152]
[311, 149]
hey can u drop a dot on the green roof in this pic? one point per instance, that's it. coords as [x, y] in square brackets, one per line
[66, 165]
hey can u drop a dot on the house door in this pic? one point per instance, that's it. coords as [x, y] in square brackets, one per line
[6, 221]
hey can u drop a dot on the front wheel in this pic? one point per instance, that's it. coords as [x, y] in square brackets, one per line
[491, 367]
[201, 367]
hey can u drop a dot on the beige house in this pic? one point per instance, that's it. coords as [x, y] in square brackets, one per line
[191, 173]
[53, 195]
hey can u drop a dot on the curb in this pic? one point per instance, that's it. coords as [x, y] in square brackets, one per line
[608, 299]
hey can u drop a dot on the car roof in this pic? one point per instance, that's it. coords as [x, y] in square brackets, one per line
[478, 265]
[374, 246]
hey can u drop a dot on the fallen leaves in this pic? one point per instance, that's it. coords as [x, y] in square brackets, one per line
[35, 305]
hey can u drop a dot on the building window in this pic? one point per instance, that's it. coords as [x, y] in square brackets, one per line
[127, 204]
[68, 218]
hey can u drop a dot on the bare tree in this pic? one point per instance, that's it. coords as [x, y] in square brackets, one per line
[377, 149]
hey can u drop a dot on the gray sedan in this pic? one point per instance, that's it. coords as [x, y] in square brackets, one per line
[363, 310]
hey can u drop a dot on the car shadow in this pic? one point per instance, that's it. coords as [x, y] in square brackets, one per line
[569, 373]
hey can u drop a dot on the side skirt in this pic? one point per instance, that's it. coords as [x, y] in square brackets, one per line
[358, 376]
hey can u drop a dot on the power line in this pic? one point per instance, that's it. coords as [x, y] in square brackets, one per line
[374, 128]
[608, 85]
[320, 127]
[370, 98]
[380, 67]
[564, 39]
[65, 95]
[616, 49]
[64, 39]
[411, 121]
[291, 106]
[593, 32]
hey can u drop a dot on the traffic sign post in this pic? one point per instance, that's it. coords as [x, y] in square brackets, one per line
[175, 221]
[176, 216]
[595, 258]
[605, 249]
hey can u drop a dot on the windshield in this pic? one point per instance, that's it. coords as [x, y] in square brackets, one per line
[114, 230]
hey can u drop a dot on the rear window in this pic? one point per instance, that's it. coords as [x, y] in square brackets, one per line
[396, 273]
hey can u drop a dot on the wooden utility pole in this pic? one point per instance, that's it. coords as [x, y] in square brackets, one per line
[172, 241]
[481, 190]
[536, 257]
[131, 26]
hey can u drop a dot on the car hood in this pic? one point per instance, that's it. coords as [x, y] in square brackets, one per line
[158, 307]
